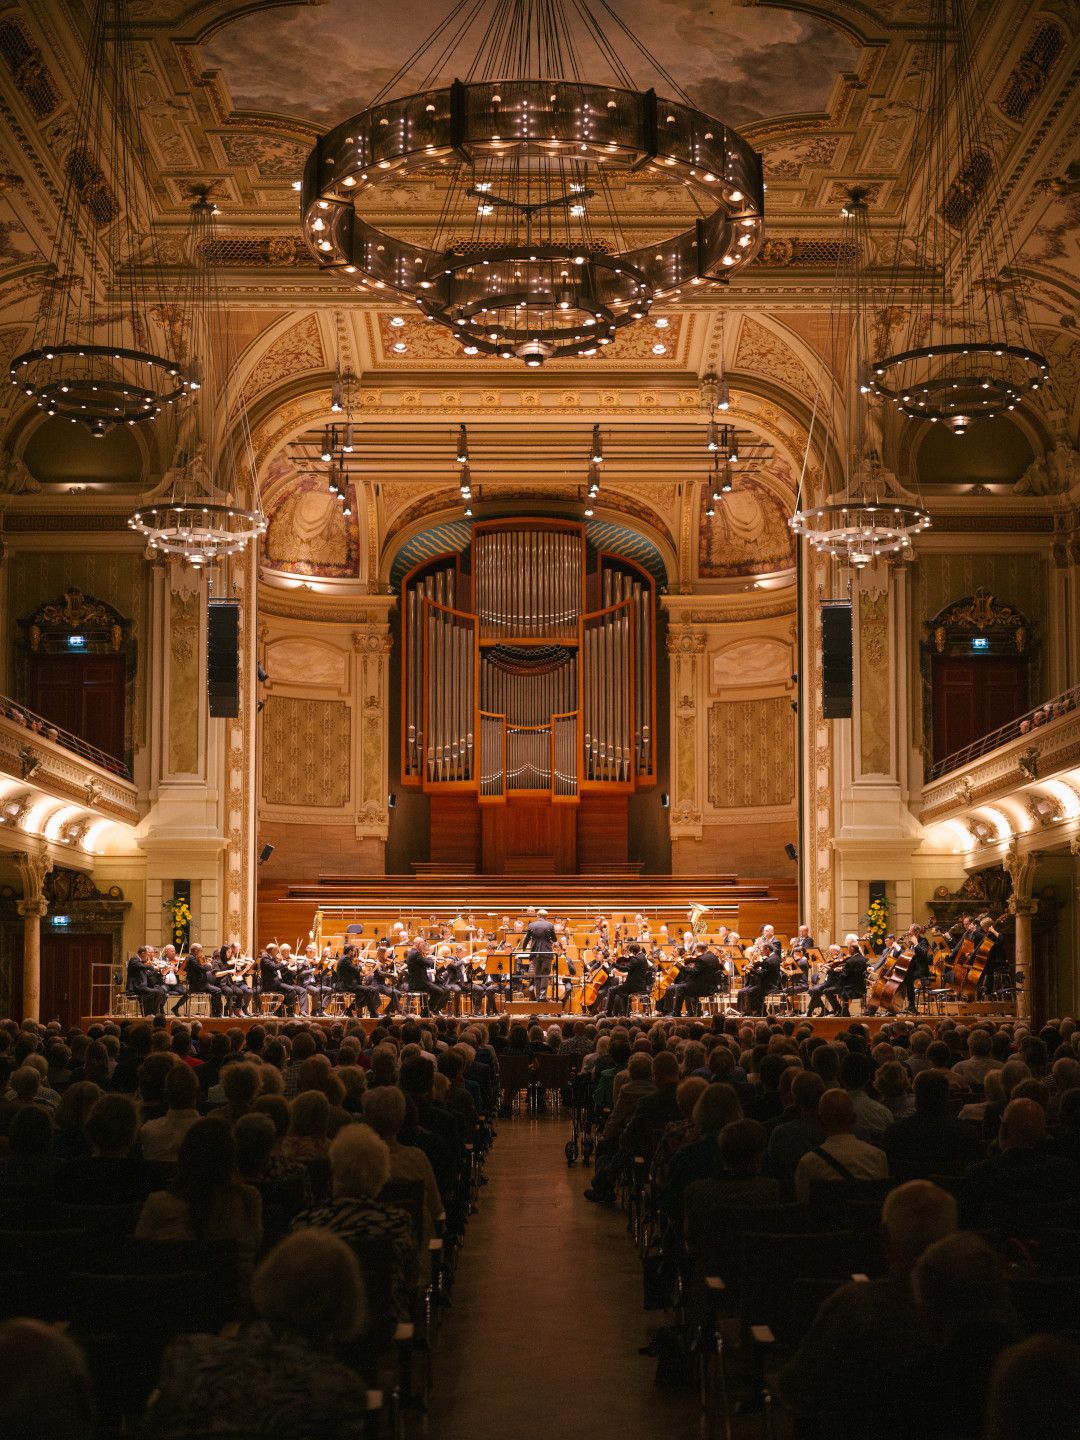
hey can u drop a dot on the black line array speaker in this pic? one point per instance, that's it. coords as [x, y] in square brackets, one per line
[836, 661]
[223, 658]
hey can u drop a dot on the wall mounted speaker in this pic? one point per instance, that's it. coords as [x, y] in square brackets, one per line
[223, 658]
[265, 853]
[836, 659]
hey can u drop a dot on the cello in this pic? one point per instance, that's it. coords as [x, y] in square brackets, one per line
[886, 987]
[971, 958]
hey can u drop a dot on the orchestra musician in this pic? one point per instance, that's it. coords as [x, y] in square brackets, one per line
[383, 980]
[272, 980]
[169, 968]
[229, 974]
[639, 977]
[144, 983]
[702, 977]
[854, 973]
[199, 978]
[797, 967]
[540, 943]
[977, 929]
[351, 983]
[763, 977]
[418, 971]
[919, 969]
[829, 989]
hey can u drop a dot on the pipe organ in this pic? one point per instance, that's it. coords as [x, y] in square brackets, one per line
[528, 667]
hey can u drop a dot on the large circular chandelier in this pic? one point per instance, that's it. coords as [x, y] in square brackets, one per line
[956, 346]
[197, 530]
[192, 515]
[101, 352]
[864, 520]
[528, 258]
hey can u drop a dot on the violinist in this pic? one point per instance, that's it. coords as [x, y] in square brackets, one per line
[349, 980]
[273, 982]
[919, 969]
[485, 987]
[418, 971]
[854, 972]
[638, 981]
[702, 978]
[229, 974]
[763, 977]
[197, 973]
[383, 980]
[797, 967]
[144, 983]
[829, 989]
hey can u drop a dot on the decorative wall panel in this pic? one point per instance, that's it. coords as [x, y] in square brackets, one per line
[873, 687]
[185, 697]
[751, 754]
[306, 752]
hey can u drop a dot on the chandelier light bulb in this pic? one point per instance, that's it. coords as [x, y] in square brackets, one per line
[463, 445]
[713, 442]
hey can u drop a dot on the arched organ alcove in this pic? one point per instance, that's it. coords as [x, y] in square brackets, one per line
[529, 667]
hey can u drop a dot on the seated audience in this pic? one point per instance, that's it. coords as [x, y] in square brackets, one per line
[841, 1156]
[45, 1391]
[1035, 1390]
[360, 1167]
[160, 1139]
[279, 1376]
[1021, 1173]
[111, 1174]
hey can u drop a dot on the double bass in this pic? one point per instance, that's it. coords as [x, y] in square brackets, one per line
[970, 962]
[885, 990]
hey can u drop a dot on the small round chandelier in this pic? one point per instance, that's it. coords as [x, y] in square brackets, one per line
[528, 258]
[865, 520]
[101, 350]
[955, 345]
[192, 515]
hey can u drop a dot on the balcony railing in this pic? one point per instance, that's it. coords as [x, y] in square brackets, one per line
[38, 725]
[1027, 724]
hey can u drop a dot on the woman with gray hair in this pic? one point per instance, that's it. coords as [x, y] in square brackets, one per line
[276, 1376]
[360, 1167]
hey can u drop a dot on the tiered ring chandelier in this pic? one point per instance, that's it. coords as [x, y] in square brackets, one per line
[193, 515]
[534, 171]
[964, 350]
[863, 520]
[101, 352]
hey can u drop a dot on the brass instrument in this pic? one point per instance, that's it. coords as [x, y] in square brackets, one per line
[698, 924]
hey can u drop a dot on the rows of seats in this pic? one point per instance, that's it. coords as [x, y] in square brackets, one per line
[828, 1232]
[197, 1202]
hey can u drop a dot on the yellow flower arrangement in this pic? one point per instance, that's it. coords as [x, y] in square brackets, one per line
[877, 920]
[180, 911]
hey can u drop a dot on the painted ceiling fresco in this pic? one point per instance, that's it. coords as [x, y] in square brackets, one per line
[324, 64]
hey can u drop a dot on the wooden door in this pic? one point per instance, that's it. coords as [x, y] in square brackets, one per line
[68, 973]
[80, 693]
[974, 695]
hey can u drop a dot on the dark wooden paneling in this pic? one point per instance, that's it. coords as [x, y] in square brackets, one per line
[80, 693]
[603, 829]
[529, 836]
[974, 695]
[67, 973]
[455, 829]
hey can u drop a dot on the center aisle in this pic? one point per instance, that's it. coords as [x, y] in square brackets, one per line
[547, 1317]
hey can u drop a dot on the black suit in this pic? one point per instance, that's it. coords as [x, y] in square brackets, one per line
[638, 982]
[702, 977]
[540, 941]
[270, 978]
[420, 982]
[918, 969]
[766, 980]
[145, 985]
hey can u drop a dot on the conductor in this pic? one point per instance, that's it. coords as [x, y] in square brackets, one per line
[539, 940]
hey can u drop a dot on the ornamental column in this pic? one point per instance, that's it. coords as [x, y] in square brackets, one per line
[686, 647]
[372, 646]
[1021, 869]
[33, 865]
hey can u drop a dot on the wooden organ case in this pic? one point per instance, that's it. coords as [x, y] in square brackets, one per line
[529, 696]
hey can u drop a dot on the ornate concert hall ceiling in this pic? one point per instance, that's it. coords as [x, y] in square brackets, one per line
[235, 91]
[772, 62]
